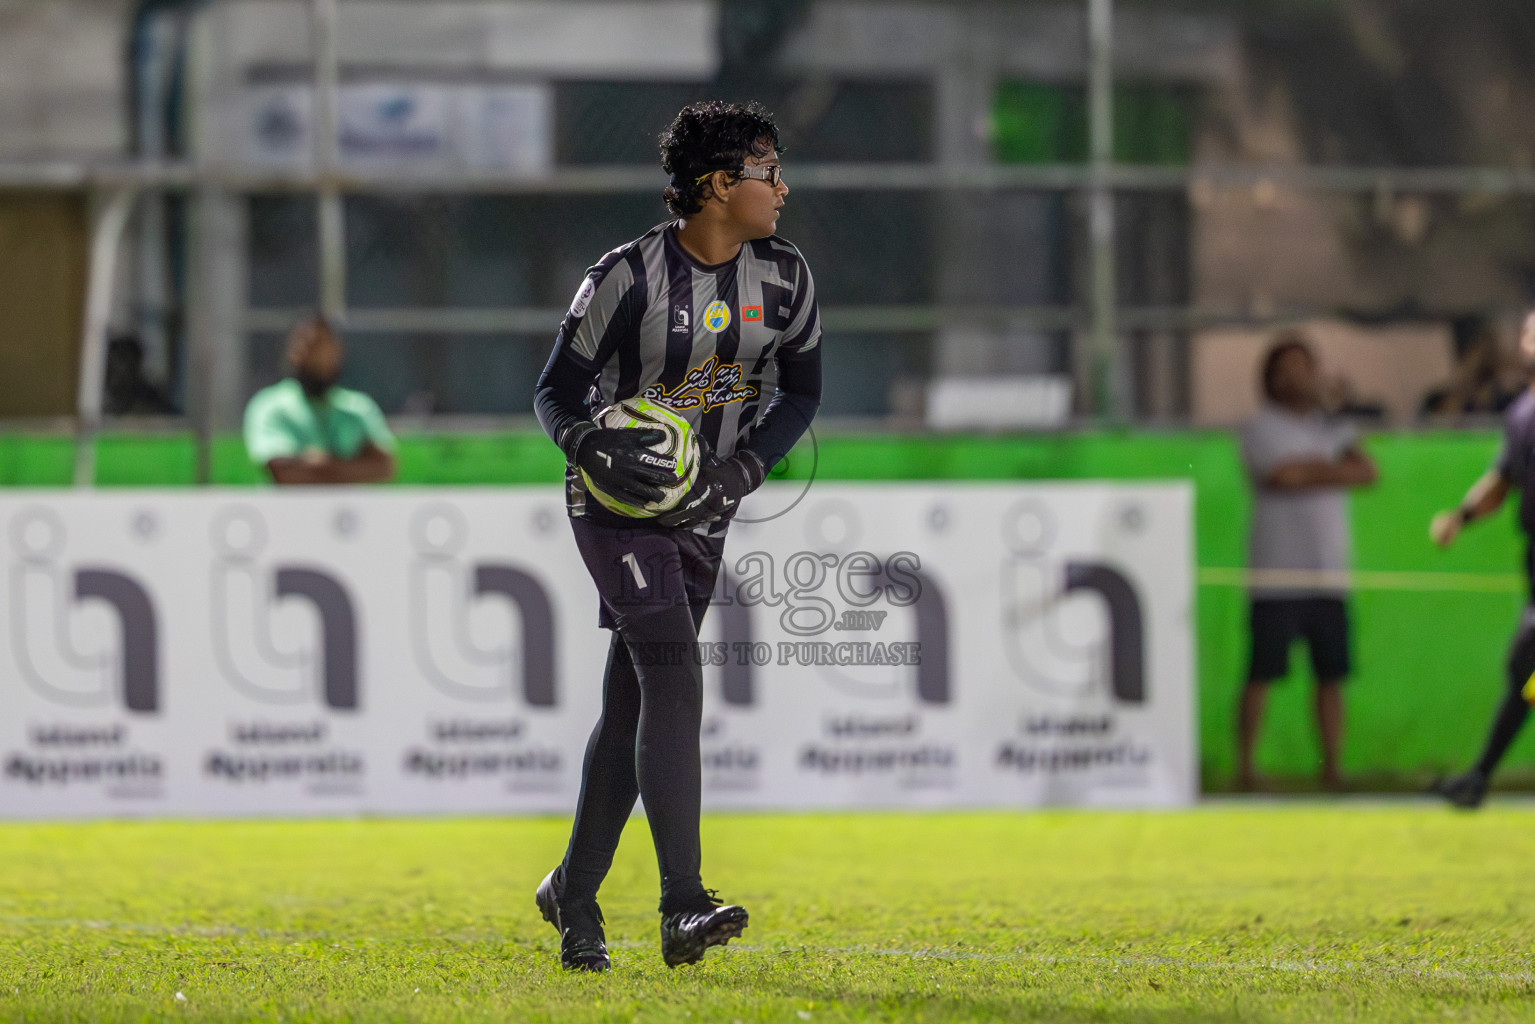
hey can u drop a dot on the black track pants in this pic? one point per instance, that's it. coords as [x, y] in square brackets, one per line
[655, 586]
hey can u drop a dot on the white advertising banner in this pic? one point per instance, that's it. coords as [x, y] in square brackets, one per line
[425, 126]
[406, 651]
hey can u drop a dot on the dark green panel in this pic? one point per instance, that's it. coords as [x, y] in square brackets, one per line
[1038, 124]
[1033, 123]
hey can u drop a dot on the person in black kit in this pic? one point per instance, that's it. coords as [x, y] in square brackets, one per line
[1514, 468]
[715, 316]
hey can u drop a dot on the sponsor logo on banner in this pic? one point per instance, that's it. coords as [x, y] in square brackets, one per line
[448, 593]
[879, 692]
[730, 746]
[85, 685]
[245, 588]
[716, 316]
[45, 593]
[274, 668]
[391, 125]
[393, 122]
[1071, 628]
[413, 651]
[444, 590]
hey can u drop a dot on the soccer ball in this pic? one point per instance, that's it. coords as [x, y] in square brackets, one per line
[676, 453]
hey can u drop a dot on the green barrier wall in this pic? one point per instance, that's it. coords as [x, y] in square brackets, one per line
[1429, 646]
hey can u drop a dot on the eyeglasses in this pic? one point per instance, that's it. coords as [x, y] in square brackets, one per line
[770, 173]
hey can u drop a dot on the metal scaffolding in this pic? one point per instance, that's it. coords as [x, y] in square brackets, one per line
[115, 187]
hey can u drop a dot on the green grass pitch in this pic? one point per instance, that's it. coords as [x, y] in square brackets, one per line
[1233, 911]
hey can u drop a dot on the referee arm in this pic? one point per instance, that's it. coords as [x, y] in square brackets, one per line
[1483, 499]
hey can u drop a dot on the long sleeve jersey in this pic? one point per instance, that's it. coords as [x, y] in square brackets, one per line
[734, 348]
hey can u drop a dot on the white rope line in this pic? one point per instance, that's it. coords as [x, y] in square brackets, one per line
[1323, 579]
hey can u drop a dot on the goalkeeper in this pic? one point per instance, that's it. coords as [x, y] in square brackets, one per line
[1513, 470]
[714, 316]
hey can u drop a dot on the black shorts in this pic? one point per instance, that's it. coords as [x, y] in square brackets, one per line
[642, 568]
[1278, 622]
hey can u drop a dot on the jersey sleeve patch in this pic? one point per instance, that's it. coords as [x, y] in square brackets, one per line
[583, 299]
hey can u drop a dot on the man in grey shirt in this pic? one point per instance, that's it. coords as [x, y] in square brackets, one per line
[1301, 464]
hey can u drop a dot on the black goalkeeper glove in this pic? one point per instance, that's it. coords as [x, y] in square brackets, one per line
[612, 459]
[718, 488]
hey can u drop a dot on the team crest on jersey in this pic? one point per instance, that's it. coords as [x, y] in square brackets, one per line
[705, 387]
[716, 316]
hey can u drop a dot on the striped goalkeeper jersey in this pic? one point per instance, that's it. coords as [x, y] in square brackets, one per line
[734, 348]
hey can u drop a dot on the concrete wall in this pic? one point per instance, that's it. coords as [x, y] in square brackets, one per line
[1391, 367]
[62, 78]
[63, 88]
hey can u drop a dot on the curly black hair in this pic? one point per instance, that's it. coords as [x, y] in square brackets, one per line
[707, 137]
[1285, 342]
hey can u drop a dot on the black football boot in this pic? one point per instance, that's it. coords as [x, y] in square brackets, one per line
[583, 946]
[1467, 790]
[548, 896]
[686, 933]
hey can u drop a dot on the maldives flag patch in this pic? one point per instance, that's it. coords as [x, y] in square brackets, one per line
[751, 313]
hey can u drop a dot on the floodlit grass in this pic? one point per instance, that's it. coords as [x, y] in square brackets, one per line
[1273, 911]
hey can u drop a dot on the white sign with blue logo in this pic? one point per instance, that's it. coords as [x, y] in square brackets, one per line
[469, 127]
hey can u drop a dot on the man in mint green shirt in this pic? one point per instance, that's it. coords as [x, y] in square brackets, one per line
[307, 430]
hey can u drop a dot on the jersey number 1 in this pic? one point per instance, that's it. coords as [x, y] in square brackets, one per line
[634, 567]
